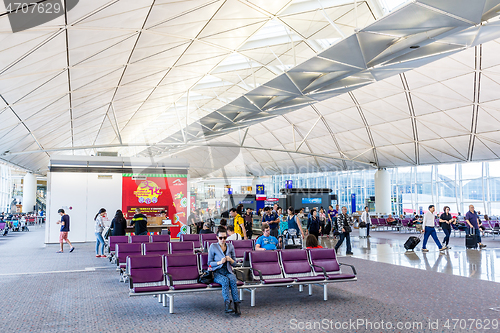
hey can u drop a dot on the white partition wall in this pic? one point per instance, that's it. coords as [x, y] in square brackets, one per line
[102, 192]
[83, 185]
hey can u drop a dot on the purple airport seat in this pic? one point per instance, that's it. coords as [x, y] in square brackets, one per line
[207, 243]
[207, 240]
[181, 247]
[160, 238]
[182, 271]
[265, 266]
[156, 248]
[203, 262]
[325, 264]
[139, 239]
[296, 266]
[2, 225]
[242, 246]
[146, 274]
[113, 240]
[191, 238]
[123, 250]
[206, 237]
[126, 249]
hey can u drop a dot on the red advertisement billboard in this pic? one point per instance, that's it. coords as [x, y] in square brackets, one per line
[152, 193]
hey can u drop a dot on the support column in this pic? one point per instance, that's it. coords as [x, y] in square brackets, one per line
[29, 193]
[383, 192]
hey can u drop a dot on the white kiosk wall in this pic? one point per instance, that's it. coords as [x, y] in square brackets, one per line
[85, 193]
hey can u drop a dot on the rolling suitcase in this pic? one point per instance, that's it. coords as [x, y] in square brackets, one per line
[471, 241]
[362, 232]
[411, 243]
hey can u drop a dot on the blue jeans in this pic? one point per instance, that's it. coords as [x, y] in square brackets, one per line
[228, 282]
[99, 239]
[447, 233]
[431, 231]
[347, 237]
[368, 226]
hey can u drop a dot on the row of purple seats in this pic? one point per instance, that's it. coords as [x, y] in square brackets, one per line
[113, 240]
[297, 266]
[122, 250]
[268, 268]
[168, 275]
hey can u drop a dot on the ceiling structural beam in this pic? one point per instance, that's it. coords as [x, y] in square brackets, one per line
[334, 138]
[126, 67]
[310, 131]
[478, 58]
[244, 137]
[25, 126]
[367, 127]
[180, 124]
[188, 145]
[116, 124]
[330, 20]
[413, 118]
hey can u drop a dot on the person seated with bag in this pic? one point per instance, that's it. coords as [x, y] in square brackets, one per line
[221, 258]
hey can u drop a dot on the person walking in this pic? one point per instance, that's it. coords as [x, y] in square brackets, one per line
[428, 226]
[63, 234]
[239, 223]
[473, 224]
[313, 224]
[294, 223]
[221, 258]
[322, 220]
[118, 224]
[445, 220]
[99, 228]
[248, 217]
[365, 217]
[344, 228]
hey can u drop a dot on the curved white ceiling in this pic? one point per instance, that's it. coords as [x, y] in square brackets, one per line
[171, 75]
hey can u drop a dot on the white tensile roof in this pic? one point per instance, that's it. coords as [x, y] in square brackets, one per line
[255, 87]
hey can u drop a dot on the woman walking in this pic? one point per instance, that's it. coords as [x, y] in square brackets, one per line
[313, 226]
[99, 227]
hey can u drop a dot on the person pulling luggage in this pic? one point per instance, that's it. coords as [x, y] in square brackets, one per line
[430, 230]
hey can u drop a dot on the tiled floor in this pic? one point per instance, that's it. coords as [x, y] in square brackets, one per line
[387, 247]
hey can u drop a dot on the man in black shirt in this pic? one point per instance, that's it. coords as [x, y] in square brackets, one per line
[141, 223]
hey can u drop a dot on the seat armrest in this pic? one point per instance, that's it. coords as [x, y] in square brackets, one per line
[352, 267]
[169, 280]
[260, 273]
[322, 268]
[239, 270]
[131, 284]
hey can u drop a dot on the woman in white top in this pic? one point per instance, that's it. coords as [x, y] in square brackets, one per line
[99, 228]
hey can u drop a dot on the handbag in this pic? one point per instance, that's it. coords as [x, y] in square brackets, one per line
[347, 228]
[206, 277]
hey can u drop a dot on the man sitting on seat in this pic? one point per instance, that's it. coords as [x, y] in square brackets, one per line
[391, 220]
[206, 229]
[266, 241]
